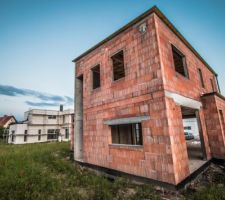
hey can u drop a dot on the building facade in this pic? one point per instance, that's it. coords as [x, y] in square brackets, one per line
[133, 90]
[42, 126]
[191, 126]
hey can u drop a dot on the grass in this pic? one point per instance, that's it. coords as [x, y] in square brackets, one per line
[45, 171]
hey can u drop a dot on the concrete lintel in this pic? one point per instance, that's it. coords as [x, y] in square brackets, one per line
[128, 120]
[184, 101]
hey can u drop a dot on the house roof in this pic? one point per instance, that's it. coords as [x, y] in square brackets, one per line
[5, 119]
[155, 10]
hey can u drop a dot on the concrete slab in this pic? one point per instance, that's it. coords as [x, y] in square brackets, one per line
[195, 155]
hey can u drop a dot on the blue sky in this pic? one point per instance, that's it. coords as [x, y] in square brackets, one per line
[39, 39]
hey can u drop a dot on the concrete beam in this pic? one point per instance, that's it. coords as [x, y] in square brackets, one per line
[184, 101]
[129, 120]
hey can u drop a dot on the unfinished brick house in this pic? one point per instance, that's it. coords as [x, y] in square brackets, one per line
[133, 91]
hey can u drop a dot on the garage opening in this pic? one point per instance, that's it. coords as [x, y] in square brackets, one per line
[194, 138]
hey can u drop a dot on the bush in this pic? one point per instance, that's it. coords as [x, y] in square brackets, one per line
[1, 132]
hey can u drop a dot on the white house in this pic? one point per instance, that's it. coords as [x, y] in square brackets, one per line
[42, 126]
[191, 126]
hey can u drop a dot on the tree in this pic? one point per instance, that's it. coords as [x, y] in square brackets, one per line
[2, 131]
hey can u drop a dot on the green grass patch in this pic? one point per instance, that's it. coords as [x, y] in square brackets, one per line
[44, 171]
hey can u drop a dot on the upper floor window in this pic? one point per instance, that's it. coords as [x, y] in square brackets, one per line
[212, 84]
[118, 66]
[96, 80]
[222, 120]
[201, 78]
[52, 117]
[179, 62]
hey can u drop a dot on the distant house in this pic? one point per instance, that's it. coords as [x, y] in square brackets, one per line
[42, 126]
[6, 120]
[191, 126]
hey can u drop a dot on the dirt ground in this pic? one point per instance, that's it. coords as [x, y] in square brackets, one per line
[208, 186]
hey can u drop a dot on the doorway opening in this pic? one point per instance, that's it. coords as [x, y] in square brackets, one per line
[194, 138]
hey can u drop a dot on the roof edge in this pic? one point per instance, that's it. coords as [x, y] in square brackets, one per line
[214, 94]
[157, 11]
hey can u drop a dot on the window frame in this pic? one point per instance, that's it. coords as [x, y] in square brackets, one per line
[66, 133]
[51, 116]
[112, 63]
[201, 79]
[212, 85]
[134, 131]
[184, 61]
[222, 120]
[92, 76]
[25, 136]
[54, 133]
[13, 136]
[39, 134]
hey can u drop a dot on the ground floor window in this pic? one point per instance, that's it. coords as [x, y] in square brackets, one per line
[127, 134]
[67, 133]
[13, 136]
[39, 135]
[187, 128]
[25, 135]
[53, 134]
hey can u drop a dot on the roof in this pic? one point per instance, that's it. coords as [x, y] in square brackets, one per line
[49, 112]
[155, 10]
[5, 119]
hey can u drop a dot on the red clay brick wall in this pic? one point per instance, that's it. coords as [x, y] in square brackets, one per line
[178, 143]
[212, 105]
[139, 93]
[205, 134]
[173, 81]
